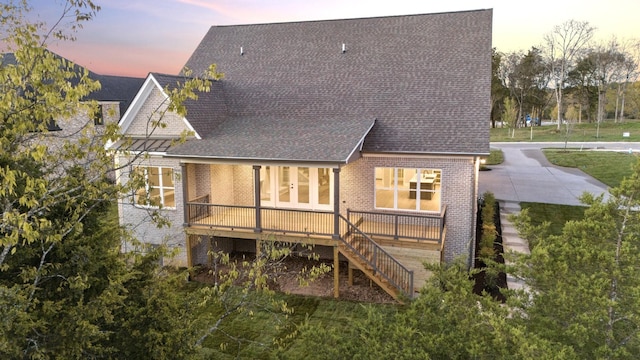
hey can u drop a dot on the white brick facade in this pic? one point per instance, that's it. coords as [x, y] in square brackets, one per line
[152, 110]
[138, 219]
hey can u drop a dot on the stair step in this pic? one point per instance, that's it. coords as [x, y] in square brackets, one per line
[360, 252]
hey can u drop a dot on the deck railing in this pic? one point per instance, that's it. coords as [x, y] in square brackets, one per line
[400, 226]
[297, 221]
[272, 220]
[382, 263]
[221, 216]
[397, 226]
[198, 212]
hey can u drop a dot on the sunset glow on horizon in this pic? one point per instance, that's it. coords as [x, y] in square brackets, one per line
[135, 37]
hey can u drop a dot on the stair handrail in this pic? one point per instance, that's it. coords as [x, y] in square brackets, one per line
[378, 251]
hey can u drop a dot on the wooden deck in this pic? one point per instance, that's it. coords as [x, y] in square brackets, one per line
[404, 242]
[309, 226]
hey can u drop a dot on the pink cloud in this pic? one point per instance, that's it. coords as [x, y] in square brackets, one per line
[124, 60]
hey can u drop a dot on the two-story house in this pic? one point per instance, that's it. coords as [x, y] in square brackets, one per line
[362, 137]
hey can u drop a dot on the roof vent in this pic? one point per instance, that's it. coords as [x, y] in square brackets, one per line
[344, 48]
[241, 51]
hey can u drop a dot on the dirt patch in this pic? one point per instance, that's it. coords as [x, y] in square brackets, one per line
[286, 280]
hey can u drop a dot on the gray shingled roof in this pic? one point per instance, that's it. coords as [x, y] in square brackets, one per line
[268, 138]
[116, 88]
[205, 113]
[424, 78]
[120, 89]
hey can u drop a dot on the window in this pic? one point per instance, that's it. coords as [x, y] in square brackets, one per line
[296, 187]
[407, 189]
[98, 118]
[159, 190]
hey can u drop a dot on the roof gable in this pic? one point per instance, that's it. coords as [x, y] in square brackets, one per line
[425, 78]
[149, 106]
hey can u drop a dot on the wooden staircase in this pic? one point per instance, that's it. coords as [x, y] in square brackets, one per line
[369, 257]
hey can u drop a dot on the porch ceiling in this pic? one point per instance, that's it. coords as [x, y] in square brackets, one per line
[276, 139]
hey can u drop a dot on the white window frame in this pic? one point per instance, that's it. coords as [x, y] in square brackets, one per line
[161, 187]
[394, 187]
[273, 183]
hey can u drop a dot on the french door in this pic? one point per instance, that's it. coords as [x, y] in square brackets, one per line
[297, 187]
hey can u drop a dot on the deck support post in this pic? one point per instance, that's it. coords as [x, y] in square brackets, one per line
[189, 255]
[350, 273]
[185, 195]
[258, 247]
[336, 203]
[210, 239]
[256, 187]
[336, 272]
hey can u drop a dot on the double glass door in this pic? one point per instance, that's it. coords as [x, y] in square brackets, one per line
[297, 187]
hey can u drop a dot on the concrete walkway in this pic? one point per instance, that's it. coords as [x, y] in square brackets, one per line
[527, 176]
[511, 241]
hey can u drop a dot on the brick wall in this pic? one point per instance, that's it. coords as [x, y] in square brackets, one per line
[458, 193]
[139, 221]
[233, 185]
[222, 184]
[243, 185]
[149, 112]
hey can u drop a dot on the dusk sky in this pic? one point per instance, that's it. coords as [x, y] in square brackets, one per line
[135, 37]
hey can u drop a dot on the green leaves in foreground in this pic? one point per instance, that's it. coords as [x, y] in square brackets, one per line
[584, 282]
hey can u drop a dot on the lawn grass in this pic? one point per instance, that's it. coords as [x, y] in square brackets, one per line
[556, 215]
[607, 166]
[263, 334]
[584, 132]
[496, 157]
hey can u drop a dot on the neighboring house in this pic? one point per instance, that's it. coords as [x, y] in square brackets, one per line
[362, 137]
[113, 98]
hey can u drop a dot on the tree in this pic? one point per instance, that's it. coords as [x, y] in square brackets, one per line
[62, 278]
[584, 282]
[446, 321]
[526, 77]
[562, 47]
[631, 51]
[66, 290]
[582, 85]
[608, 64]
[498, 90]
[510, 115]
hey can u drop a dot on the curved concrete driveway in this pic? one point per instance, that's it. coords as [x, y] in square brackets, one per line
[526, 175]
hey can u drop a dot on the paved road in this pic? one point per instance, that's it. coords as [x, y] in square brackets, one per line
[527, 176]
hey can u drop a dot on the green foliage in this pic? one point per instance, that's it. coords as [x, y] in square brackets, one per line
[447, 321]
[240, 295]
[584, 281]
[496, 157]
[580, 132]
[510, 113]
[489, 232]
[66, 291]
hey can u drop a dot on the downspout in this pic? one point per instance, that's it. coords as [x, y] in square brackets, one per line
[185, 196]
[336, 203]
[474, 199]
